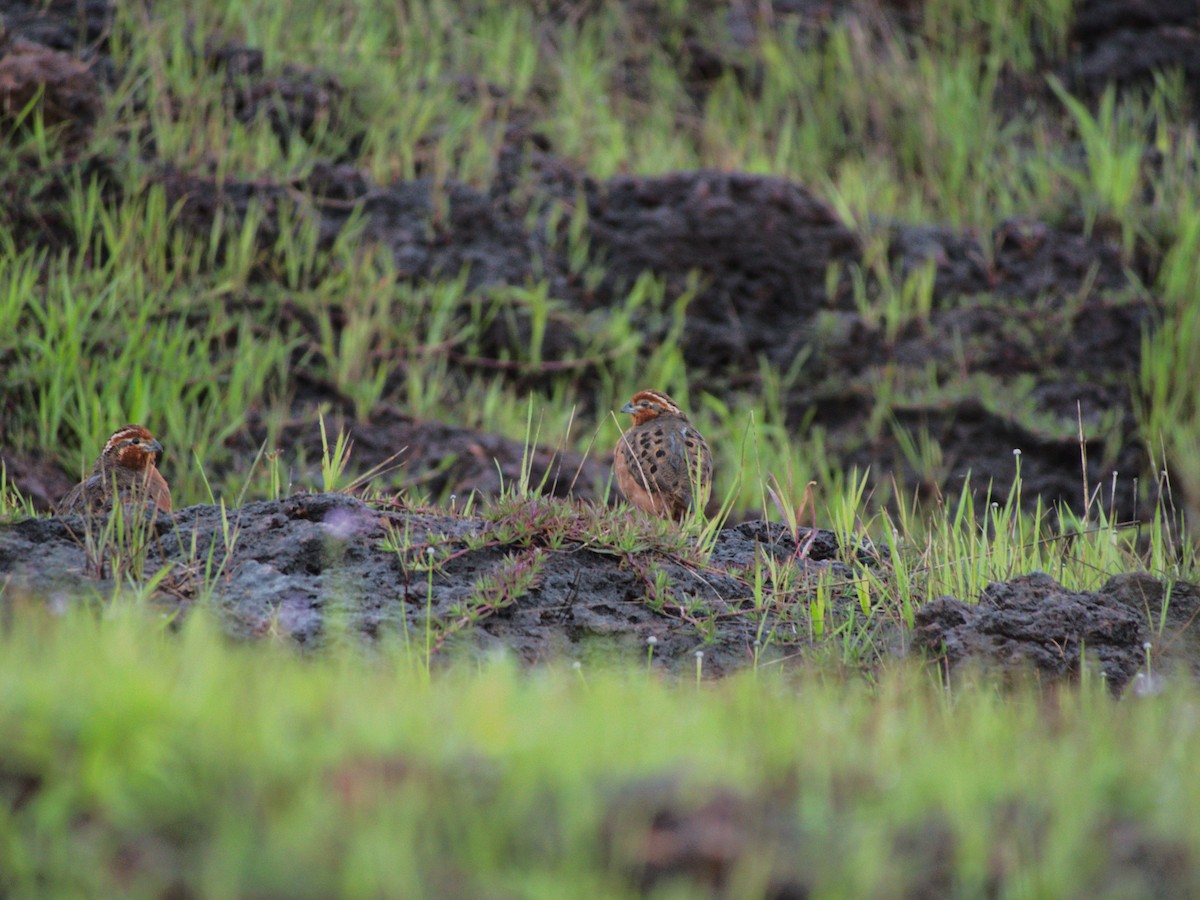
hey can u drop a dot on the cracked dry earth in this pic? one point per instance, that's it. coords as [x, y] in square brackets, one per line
[531, 579]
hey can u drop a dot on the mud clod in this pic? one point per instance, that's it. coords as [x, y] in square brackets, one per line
[1032, 626]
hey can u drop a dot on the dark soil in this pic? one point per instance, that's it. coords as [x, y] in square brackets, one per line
[64, 87]
[1031, 626]
[1125, 42]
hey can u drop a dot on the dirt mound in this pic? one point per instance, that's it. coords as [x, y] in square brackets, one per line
[298, 101]
[760, 245]
[61, 24]
[1126, 43]
[61, 88]
[1032, 625]
[39, 480]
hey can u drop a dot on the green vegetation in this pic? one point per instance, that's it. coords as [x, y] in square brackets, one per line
[142, 754]
[885, 126]
[173, 760]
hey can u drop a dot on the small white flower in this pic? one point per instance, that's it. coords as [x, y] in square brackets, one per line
[1148, 685]
[699, 654]
[1146, 646]
[577, 665]
[652, 640]
[1016, 451]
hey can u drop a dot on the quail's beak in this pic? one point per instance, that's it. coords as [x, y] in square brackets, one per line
[627, 408]
[157, 449]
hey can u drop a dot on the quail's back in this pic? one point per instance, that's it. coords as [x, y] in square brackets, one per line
[662, 464]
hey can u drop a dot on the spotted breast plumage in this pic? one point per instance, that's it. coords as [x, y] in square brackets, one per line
[662, 464]
[128, 464]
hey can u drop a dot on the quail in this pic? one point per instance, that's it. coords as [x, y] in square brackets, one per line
[129, 462]
[662, 464]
